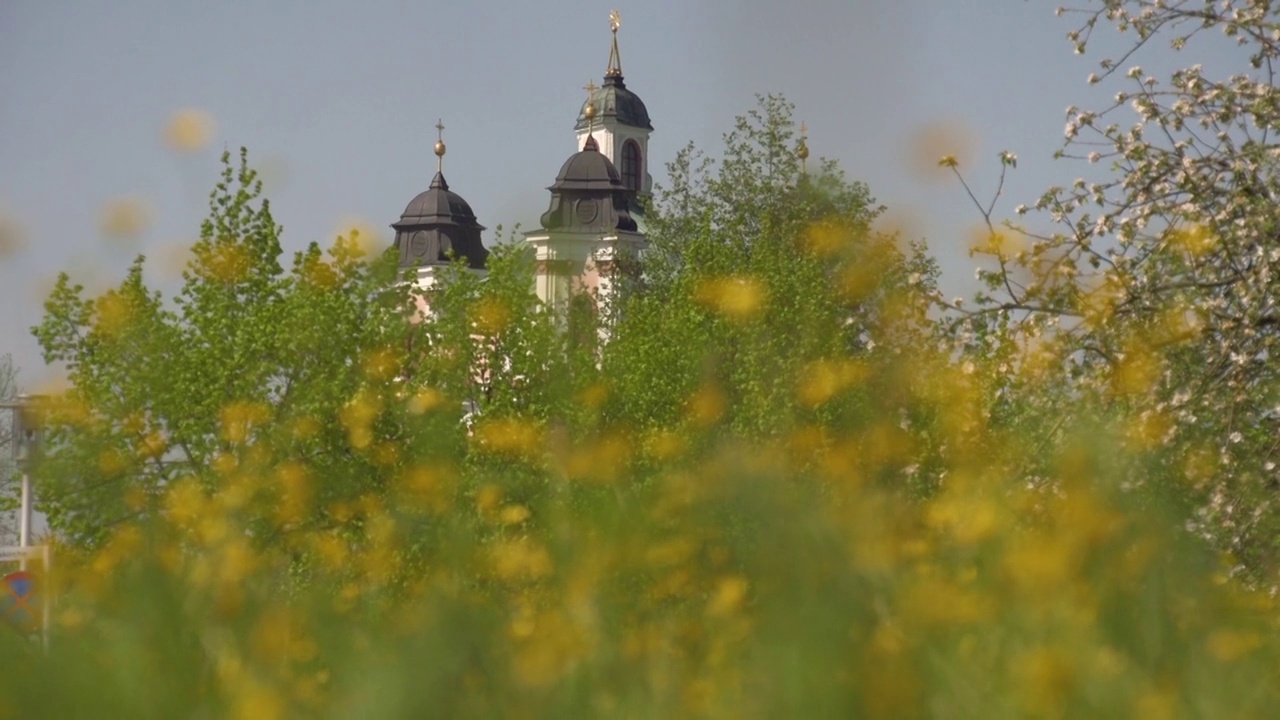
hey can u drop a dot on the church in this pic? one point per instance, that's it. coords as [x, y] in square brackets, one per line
[594, 216]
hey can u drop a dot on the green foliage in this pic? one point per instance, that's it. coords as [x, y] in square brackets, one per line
[160, 392]
[763, 482]
[756, 271]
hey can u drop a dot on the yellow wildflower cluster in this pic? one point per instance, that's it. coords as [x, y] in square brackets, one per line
[737, 298]
[893, 552]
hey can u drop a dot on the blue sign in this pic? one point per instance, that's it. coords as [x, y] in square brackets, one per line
[18, 601]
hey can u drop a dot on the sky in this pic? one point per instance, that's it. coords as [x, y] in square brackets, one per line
[336, 102]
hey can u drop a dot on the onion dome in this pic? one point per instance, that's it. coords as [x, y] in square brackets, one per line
[613, 99]
[438, 225]
[588, 195]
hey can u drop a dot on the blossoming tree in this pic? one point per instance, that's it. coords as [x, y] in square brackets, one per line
[1158, 280]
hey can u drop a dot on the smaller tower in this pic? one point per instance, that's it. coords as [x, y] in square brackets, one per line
[621, 124]
[587, 227]
[437, 227]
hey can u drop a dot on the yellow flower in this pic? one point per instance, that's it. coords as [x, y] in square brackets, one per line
[1196, 240]
[256, 701]
[1138, 371]
[1148, 430]
[824, 379]
[512, 436]
[826, 238]
[239, 418]
[227, 262]
[358, 417]
[550, 648]
[521, 559]
[1231, 645]
[112, 462]
[361, 236]
[1047, 677]
[331, 549]
[427, 488]
[114, 314]
[1000, 243]
[968, 519]
[487, 499]
[737, 298]
[491, 316]
[514, 514]
[189, 130]
[12, 235]
[185, 502]
[382, 364]
[665, 445]
[706, 406]
[124, 218]
[600, 459]
[425, 400]
[594, 396]
[728, 596]
[295, 492]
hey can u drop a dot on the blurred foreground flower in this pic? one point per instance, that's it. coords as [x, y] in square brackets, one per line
[738, 298]
[12, 236]
[189, 130]
[124, 218]
[364, 235]
[938, 147]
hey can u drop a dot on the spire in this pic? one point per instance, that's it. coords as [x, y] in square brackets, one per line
[590, 112]
[439, 149]
[615, 60]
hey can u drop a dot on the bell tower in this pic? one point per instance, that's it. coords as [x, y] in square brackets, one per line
[587, 229]
[621, 125]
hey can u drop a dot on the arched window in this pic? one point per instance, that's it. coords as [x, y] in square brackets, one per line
[631, 165]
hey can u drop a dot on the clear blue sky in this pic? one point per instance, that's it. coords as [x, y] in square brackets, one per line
[336, 100]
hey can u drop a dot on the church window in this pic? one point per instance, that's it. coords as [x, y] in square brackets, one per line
[631, 165]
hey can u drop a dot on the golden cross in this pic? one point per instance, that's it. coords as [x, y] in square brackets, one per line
[615, 20]
[440, 129]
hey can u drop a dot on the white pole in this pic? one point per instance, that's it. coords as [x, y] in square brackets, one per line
[24, 524]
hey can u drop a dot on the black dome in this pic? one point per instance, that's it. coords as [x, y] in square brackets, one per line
[438, 205]
[588, 195]
[587, 170]
[437, 226]
[616, 101]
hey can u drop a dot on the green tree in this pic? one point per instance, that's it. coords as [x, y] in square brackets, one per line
[165, 391]
[756, 273]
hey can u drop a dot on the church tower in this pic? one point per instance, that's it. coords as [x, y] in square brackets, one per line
[587, 229]
[594, 220]
[621, 128]
[436, 228]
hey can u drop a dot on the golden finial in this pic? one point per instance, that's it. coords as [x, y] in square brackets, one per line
[590, 110]
[439, 145]
[802, 147]
[615, 60]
